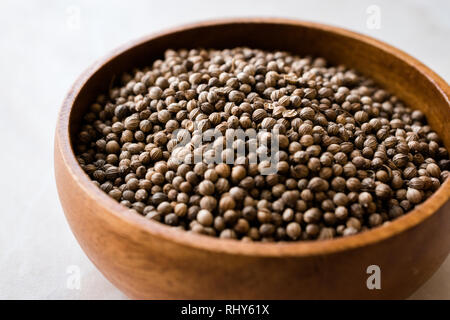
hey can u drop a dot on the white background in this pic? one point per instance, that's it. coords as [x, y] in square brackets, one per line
[45, 45]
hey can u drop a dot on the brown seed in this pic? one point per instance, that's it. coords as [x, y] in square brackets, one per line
[211, 175]
[205, 217]
[307, 113]
[264, 215]
[219, 223]
[268, 123]
[293, 230]
[132, 122]
[259, 115]
[409, 172]
[171, 219]
[313, 215]
[353, 184]
[236, 96]
[164, 116]
[427, 182]
[155, 93]
[156, 154]
[397, 181]
[340, 199]
[141, 195]
[223, 170]
[230, 216]
[434, 170]
[112, 147]
[400, 160]
[312, 230]
[238, 173]
[340, 158]
[237, 193]
[157, 178]
[413, 195]
[365, 198]
[361, 116]
[226, 203]
[383, 191]
[206, 188]
[326, 233]
[341, 212]
[228, 234]
[180, 209]
[208, 203]
[395, 211]
[266, 229]
[318, 185]
[242, 226]
[349, 231]
[307, 140]
[222, 185]
[353, 223]
[375, 219]
[416, 183]
[164, 208]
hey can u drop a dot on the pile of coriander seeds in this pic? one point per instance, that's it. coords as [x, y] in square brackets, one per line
[350, 155]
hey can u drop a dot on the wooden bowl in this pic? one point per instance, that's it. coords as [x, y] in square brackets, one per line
[146, 259]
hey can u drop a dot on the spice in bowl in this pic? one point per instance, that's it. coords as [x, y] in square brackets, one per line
[259, 146]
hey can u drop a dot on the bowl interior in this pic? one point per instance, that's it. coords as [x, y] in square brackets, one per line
[402, 75]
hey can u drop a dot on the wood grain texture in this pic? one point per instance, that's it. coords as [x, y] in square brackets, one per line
[146, 259]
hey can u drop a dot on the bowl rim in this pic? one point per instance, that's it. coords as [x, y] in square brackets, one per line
[233, 247]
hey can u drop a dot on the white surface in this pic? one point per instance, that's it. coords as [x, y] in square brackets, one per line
[43, 50]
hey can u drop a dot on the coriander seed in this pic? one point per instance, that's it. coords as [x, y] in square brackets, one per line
[346, 155]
